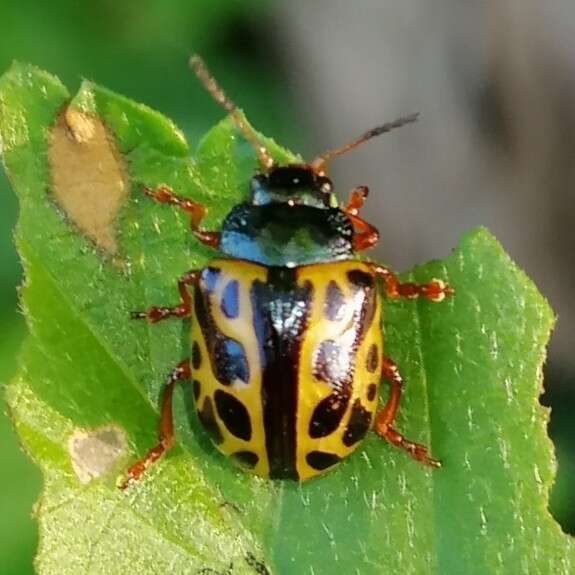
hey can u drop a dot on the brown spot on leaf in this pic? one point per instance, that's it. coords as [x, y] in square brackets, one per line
[95, 452]
[89, 181]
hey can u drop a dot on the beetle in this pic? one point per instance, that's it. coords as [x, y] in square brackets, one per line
[287, 350]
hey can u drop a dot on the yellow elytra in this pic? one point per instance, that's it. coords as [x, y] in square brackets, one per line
[293, 406]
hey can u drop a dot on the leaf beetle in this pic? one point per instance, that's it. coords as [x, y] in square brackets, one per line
[286, 351]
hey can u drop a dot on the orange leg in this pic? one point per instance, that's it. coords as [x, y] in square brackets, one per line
[436, 290]
[164, 195]
[166, 433]
[364, 234]
[356, 200]
[183, 309]
[385, 418]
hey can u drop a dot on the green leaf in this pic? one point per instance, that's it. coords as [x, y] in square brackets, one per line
[85, 400]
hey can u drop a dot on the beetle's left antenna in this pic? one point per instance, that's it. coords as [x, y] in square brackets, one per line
[209, 82]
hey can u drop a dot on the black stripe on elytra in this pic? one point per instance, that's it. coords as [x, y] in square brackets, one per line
[280, 311]
[227, 355]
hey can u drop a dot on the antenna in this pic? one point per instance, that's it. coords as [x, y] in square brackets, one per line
[318, 163]
[210, 84]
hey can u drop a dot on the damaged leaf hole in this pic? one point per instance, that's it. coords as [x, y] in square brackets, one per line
[89, 180]
[95, 453]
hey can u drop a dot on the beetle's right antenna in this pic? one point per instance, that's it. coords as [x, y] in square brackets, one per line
[209, 82]
[318, 163]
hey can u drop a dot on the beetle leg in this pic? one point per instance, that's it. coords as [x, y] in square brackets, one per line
[156, 313]
[436, 290]
[357, 197]
[364, 235]
[166, 431]
[385, 418]
[164, 195]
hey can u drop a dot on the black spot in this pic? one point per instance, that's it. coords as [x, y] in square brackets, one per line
[321, 460]
[359, 423]
[371, 391]
[334, 302]
[360, 279]
[234, 415]
[196, 356]
[197, 388]
[208, 420]
[230, 361]
[230, 303]
[327, 415]
[372, 360]
[247, 459]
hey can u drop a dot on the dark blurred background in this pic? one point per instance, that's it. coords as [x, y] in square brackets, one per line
[494, 81]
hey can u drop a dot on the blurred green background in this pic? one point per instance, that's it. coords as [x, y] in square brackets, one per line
[140, 49]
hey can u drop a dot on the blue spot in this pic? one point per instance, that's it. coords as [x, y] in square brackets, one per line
[230, 300]
[209, 278]
[231, 362]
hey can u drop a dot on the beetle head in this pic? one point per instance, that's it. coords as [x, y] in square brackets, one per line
[294, 184]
